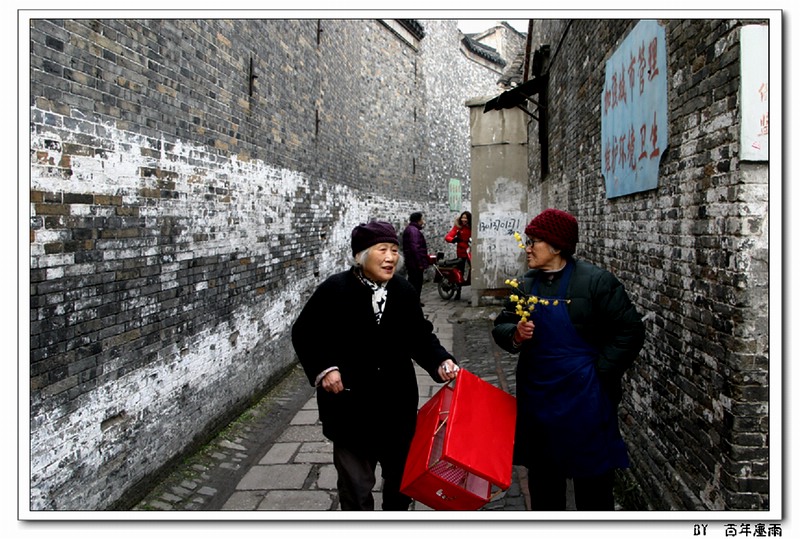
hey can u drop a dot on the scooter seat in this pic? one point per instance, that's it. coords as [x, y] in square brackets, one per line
[450, 263]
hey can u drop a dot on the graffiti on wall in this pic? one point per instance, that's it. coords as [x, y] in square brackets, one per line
[498, 248]
[499, 226]
[634, 111]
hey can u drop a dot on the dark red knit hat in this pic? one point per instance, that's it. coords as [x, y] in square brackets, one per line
[369, 234]
[556, 227]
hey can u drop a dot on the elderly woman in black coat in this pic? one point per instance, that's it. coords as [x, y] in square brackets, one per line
[356, 338]
[575, 345]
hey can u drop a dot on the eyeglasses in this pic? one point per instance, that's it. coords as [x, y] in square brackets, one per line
[530, 243]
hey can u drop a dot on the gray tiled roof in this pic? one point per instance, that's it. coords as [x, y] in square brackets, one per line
[482, 50]
[413, 26]
[512, 74]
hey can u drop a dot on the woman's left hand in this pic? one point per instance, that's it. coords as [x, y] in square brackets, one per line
[448, 370]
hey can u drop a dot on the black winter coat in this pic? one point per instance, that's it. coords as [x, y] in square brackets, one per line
[337, 327]
[600, 311]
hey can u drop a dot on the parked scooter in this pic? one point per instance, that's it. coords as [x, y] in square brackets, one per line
[448, 274]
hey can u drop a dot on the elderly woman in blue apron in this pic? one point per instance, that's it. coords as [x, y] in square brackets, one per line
[581, 335]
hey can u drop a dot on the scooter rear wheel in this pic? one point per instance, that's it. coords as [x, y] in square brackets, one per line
[446, 288]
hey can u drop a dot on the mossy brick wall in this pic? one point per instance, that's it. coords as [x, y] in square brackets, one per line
[693, 254]
[179, 219]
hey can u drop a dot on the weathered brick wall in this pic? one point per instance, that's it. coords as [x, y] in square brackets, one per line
[179, 220]
[693, 255]
[450, 81]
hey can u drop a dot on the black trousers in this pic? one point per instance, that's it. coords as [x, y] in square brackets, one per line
[415, 278]
[356, 479]
[462, 265]
[549, 491]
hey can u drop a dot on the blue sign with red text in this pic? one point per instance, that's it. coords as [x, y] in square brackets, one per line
[634, 111]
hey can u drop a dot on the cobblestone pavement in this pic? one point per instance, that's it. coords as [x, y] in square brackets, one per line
[274, 457]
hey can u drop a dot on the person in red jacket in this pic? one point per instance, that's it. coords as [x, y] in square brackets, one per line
[460, 234]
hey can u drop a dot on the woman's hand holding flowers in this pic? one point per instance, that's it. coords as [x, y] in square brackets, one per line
[523, 332]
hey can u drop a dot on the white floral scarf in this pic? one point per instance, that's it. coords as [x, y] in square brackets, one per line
[378, 294]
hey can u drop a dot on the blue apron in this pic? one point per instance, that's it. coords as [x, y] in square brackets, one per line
[565, 420]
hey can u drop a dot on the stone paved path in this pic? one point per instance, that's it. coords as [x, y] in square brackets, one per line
[274, 457]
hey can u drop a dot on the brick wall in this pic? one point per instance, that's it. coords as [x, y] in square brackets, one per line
[693, 254]
[179, 219]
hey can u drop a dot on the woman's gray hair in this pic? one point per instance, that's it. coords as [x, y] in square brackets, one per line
[358, 258]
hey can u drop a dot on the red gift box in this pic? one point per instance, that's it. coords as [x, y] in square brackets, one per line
[463, 445]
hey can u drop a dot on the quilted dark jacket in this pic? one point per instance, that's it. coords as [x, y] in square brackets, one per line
[601, 313]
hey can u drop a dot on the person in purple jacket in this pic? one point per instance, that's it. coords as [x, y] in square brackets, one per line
[415, 251]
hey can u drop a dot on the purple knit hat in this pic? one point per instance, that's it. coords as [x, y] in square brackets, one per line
[367, 235]
[556, 227]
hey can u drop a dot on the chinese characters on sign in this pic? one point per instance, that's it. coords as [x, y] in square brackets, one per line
[454, 194]
[634, 111]
[755, 92]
